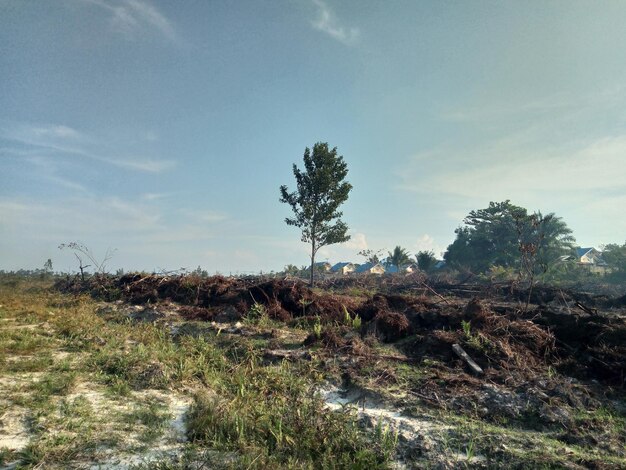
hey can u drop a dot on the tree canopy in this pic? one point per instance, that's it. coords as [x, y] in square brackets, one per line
[426, 260]
[504, 234]
[398, 257]
[320, 190]
[614, 256]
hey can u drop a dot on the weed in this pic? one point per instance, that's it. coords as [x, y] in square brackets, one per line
[349, 321]
[470, 450]
[477, 341]
[467, 329]
[304, 303]
[257, 310]
[551, 372]
[317, 328]
[271, 418]
[386, 438]
[258, 315]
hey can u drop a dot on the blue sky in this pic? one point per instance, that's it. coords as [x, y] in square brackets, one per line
[164, 129]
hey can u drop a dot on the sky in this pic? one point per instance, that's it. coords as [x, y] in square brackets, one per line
[163, 130]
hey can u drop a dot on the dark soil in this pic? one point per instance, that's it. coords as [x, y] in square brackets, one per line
[562, 330]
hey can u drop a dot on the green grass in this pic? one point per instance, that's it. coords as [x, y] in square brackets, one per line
[150, 417]
[266, 417]
[247, 411]
[38, 363]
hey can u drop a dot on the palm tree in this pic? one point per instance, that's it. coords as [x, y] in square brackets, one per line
[398, 257]
[426, 260]
[554, 239]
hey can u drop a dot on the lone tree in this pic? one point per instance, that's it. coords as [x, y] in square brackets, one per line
[321, 189]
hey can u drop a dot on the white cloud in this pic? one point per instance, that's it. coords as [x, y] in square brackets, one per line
[60, 131]
[562, 105]
[153, 196]
[328, 23]
[146, 165]
[562, 154]
[55, 139]
[134, 17]
[357, 242]
[597, 165]
[427, 243]
[205, 216]
[66, 183]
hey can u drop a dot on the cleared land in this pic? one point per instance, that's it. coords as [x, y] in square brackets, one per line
[187, 372]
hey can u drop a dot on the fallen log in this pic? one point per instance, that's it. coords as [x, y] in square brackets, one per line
[584, 308]
[459, 351]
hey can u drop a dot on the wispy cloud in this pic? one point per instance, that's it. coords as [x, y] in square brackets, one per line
[204, 215]
[135, 17]
[60, 131]
[327, 22]
[563, 154]
[563, 105]
[83, 217]
[154, 196]
[59, 139]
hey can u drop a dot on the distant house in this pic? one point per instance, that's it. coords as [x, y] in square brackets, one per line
[393, 269]
[591, 259]
[323, 266]
[343, 268]
[370, 268]
[440, 264]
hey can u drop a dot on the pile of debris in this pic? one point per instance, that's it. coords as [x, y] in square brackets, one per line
[501, 335]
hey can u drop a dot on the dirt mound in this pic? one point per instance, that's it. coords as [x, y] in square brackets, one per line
[196, 313]
[497, 335]
[284, 299]
[592, 346]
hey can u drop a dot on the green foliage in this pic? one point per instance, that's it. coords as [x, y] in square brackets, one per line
[349, 321]
[476, 341]
[305, 303]
[398, 257]
[271, 417]
[291, 270]
[426, 260]
[152, 414]
[506, 235]
[371, 256]
[320, 190]
[615, 257]
[257, 310]
[258, 315]
[500, 273]
[317, 328]
[467, 329]
[387, 438]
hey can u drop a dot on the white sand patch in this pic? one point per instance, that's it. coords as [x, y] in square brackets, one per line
[168, 446]
[13, 432]
[412, 432]
[13, 382]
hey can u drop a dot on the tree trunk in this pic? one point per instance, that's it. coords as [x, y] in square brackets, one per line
[312, 263]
